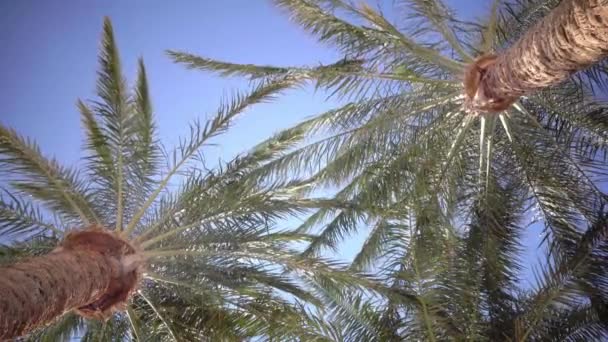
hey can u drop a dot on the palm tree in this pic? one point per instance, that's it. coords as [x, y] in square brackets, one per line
[454, 138]
[197, 259]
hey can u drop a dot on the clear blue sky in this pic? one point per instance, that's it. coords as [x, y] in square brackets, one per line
[49, 59]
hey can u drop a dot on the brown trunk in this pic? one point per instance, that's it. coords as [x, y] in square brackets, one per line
[36, 291]
[571, 37]
[93, 272]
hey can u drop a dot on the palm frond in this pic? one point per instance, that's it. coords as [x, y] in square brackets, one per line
[561, 282]
[61, 189]
[147, 152]
[115, 329]
[441, 17]
[114, 112]
[21, 219]
[355, 40]
[201, 133]
[63, 330]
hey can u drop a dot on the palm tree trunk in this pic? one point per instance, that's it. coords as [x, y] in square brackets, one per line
[36, 291]
[571, 37]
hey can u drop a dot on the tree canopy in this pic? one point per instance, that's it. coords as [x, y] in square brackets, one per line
[443, 191]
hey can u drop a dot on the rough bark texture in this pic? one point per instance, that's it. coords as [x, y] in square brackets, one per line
[91, 272]
[35, 292]
[571, 37]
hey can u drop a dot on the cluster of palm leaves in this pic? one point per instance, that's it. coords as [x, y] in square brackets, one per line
[444, 195]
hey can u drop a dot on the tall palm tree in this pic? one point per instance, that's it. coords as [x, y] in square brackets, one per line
[152, 242]
[447, 124]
